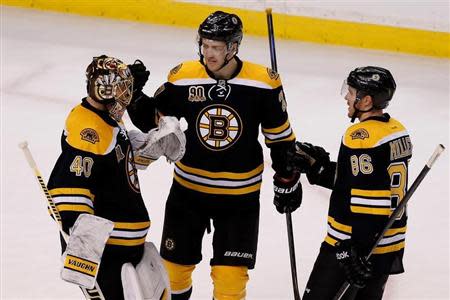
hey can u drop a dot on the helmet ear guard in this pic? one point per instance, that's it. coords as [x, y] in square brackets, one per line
[109, 82]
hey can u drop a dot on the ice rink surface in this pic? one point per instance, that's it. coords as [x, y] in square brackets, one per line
[43, 59]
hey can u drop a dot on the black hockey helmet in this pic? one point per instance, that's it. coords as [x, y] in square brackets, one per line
[221, 26]
[109, 82]
[374, 81]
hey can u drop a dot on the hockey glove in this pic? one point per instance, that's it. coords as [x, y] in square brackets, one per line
[140, 76]
[288, 193]
[357, 269]
[310, 159]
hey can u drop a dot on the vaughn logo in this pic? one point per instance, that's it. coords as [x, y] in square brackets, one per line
[80, 265]
[238, 254]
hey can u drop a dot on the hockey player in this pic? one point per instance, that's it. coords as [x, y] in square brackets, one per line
[95, 175]
[368, 181]
[224, 101]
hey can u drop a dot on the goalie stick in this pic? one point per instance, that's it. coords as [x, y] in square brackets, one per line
[439, 149]
[91, 294]
[273, 60]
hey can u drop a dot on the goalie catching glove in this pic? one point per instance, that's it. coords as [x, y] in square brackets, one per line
[167, 140]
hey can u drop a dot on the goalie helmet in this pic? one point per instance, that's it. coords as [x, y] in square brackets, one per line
[221, 26]
[109, 82]
[374, 81]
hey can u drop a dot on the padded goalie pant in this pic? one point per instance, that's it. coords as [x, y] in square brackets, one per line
[327, 277]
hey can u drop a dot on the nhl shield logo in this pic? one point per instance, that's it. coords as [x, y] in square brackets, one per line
[219, 91]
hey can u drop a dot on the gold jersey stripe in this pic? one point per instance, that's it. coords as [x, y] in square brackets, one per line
[81, 265]
[339, 226]
[391, 248]
[291, 137]
[394, 231]
[278, 129]
[212, 190]
[124, 242]
[370, 210]
[224, 175]
[71, 192]
[371, 193]
[128, 225]
[330, 240]
[75, 207]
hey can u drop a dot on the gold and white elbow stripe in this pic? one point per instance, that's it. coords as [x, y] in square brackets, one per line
[227, 183]
[73, 199]
[373, 202]
[279, 134]
[129, 233]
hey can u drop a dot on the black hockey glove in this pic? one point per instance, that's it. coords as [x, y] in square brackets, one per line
[140, 75]
[288, 193]
[310, 159]
[357, 269]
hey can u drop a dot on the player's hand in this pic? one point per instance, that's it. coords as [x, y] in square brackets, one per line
[288, 192]
[140, 74]
[310, 159]
[357, 269]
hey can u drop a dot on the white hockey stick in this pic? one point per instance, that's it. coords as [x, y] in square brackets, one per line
[91, 294]
[439, 149]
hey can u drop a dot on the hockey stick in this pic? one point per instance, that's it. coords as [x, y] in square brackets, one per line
[439, 149]
[91, 294]
[273, 60]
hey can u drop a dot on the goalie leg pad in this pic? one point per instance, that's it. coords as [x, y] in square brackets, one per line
[229, 282]
[148, 280]
[81, 260]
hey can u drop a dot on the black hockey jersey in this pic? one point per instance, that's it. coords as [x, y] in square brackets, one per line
[95, 174]
[223, 155]
[371, 180]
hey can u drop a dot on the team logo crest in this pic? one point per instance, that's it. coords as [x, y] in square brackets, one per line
[176, 69]
[169, 244]
[282, 100]
[131, 170]
[360, 133]
[220, 91]
[272, 74]
[218, 127]
[89, 135]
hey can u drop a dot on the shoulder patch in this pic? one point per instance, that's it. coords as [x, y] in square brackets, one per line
[176, 69]
[359, 133]
[89, 135]
[272, 74]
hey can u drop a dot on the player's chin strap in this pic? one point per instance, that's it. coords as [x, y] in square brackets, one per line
[357, 111]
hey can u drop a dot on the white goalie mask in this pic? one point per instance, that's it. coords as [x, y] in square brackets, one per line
[109, 82]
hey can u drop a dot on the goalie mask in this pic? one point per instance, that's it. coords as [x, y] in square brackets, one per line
[109, 82]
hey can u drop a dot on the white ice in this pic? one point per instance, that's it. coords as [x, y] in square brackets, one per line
[43, 59]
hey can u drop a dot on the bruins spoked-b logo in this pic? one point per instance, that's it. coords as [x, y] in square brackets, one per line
[133, 179]
[218, 127]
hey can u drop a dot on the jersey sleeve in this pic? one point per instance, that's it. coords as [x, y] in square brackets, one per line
[275, 125]
[142, 112]
[71, 184]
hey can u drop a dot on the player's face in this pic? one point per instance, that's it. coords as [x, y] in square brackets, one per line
[214, 53]
[350, 97]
